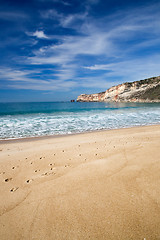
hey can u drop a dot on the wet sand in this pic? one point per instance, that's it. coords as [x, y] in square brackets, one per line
[100, 185]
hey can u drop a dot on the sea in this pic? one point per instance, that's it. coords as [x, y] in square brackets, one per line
[23, 120]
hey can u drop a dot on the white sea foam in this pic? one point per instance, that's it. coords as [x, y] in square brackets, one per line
[19, 126]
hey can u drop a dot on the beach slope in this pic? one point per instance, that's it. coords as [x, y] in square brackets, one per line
[99, 185]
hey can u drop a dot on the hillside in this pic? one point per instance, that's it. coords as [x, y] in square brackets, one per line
[147, 90]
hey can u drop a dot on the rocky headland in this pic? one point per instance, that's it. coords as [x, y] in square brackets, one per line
[147, 90]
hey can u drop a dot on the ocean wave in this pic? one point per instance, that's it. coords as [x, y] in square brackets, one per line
[44, 124]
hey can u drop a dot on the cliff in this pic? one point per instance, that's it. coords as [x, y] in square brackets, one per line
[147, 90]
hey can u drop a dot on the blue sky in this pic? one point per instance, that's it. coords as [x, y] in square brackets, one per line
[54, 50]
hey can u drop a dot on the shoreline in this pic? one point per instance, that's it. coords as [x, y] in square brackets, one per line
[43, 137]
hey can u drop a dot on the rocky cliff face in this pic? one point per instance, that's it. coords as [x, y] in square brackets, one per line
[147, 90]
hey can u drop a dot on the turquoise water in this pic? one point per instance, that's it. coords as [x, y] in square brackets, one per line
[20, 120]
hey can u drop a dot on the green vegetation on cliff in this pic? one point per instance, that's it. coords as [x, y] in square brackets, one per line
[151, 94]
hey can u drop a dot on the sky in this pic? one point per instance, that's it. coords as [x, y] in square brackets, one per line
[55, 50]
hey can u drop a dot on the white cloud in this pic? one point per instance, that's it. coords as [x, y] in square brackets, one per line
[98, 67]
[51, 14]
[13, 75]
[60, 80]
[72, 47]
[40, 34]
[66, 3]
[135, 69]
[49, 86]
[131, 70]
[111, 45]
[106, 40]
[102, 37]
[65, 21]
[73, 20]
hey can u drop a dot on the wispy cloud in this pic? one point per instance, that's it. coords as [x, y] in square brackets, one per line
[65, 20]
[98, 67]
[13, 75]
[51, 14]
[104, 40]
[38, 79]
[90, 52]
[12, 16]
[63, 2]
[93, 1]
[130, 70]
[135, 69]
[59, 80]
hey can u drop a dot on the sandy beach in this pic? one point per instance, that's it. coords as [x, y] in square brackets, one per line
[99, 185]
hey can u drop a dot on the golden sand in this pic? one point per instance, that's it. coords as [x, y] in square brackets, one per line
[100, 185]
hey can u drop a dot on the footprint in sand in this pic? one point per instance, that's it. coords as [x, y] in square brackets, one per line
[29, 180]
[47, 173]
[13, 189]
[8, 179]
[67, 165]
